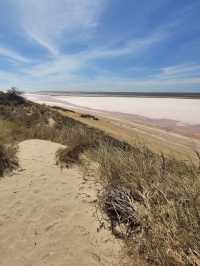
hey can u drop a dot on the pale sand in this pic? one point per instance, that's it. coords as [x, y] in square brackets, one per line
[47, 216]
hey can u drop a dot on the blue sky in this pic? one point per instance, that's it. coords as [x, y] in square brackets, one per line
[100, 45]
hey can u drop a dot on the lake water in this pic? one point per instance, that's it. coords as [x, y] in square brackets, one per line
[182, 110]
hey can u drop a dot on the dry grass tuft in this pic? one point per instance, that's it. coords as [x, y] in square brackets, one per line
[8, 159]
[119, 204]
[67, 156]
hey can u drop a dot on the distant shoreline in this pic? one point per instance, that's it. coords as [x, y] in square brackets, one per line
[183, 111]
[182, 95]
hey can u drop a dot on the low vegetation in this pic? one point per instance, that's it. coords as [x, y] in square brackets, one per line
[89, 116]
[78, 140]
[62, 109]
[150, 201]
[12, 97]
[163, 200]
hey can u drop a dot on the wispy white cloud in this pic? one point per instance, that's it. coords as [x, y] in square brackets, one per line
[48, 21]
[117, 83]
[132, 47]
[176, 76]
[69, 80]
[67, 64]
[62, 64]
[62, 71]
[181, 71]
[12, 55]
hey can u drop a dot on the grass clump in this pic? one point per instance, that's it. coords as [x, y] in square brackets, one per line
[8, 159]
[78, 140]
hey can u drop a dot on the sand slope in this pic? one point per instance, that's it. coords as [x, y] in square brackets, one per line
[47, 215]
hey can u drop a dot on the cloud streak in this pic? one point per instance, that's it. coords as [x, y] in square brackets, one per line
[12, 55]
[50, 23]
[67, 64]
[180, 71]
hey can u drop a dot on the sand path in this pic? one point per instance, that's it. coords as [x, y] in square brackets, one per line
[47, 216]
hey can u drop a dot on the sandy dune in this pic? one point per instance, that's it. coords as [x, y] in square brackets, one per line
[47, 216]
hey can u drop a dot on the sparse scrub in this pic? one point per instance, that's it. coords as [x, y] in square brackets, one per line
[62, 109]
[31, 120]
[80, 138]
[166, 194]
